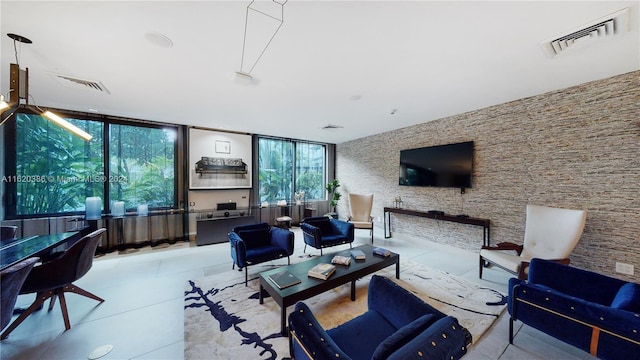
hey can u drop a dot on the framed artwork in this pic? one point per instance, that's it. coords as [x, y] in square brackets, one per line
[219, 160]
[223, 147]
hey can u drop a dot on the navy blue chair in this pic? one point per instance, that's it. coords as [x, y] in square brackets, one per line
[257, 243]
[322, 231]
[593, 312]
[397, 325]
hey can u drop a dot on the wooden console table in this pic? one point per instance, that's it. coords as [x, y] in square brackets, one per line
[485, 223]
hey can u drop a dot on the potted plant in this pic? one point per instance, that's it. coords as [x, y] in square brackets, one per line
[334, 195]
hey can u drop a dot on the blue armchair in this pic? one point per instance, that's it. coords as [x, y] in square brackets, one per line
[397, 325]
[322, 231]
[593, 312]
[257, 243]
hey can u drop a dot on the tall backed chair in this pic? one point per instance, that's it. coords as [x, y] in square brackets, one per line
[360, 207]
[322, 231]
[12, 279]
[53, 278]
[257, 243]
[550, 233]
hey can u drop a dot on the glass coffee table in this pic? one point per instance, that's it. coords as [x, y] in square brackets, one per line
[309, 287]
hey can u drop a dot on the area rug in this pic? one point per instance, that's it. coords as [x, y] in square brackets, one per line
[223, 319]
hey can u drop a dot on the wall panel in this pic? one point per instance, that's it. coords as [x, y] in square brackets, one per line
[575, 148]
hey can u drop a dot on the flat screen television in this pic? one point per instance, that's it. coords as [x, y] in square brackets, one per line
[440, 166]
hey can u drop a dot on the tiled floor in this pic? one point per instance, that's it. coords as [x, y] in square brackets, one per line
[142, 316]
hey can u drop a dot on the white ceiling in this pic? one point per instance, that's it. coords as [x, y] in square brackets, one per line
[345, 63]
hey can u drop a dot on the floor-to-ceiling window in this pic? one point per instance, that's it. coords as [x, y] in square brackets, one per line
[55, 170]
[287, 168]
[50, 171]
[142, 166]
[311, 170]
[275, 169]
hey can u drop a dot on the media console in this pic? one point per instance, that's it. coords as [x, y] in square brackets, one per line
[214, 230]
[485, 223]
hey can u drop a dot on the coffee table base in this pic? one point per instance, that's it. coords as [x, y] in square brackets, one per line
[310, 287]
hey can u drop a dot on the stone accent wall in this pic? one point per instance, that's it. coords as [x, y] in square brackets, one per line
[573, 148]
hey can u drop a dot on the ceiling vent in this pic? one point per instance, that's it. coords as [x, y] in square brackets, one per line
[82, 84]
[332, 127]
[606, 27]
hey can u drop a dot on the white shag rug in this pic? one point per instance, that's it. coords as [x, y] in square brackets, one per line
[223, 319]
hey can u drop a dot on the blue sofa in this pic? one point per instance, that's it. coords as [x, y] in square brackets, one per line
[593, 312]
[397, 325]
[322, 231]
[257, 243]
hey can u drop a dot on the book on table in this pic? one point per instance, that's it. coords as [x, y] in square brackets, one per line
[284, 279]
[381, 252]
[322, 271]
[341, 260]
[358, 254]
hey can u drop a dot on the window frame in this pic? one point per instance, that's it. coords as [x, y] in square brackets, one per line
[294, 186]
[11, 156]
[108, 161]
[325, 168]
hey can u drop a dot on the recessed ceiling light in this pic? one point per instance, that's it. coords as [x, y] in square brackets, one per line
[158, 39]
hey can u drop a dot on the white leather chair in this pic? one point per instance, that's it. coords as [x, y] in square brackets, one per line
[550, 234]
[360, 207]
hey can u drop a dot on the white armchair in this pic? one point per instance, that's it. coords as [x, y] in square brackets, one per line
[550, 234]
[360, 207]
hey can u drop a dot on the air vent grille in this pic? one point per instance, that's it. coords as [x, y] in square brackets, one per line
[605, 27]
[82, 84]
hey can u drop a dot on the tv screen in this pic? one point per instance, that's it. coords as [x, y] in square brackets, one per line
[441, 166]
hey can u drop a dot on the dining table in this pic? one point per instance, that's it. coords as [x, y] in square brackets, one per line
[38, 245]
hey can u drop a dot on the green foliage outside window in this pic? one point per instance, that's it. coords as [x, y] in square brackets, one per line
[55, 169]
[276, 169]
[142, 166]
[310, 170]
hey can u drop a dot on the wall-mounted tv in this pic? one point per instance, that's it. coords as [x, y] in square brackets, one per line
[448, 165]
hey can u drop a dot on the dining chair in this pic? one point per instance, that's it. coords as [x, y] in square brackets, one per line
[12, 279]
[53, 278]
[360, 207]
[8, 234]
[550, 233]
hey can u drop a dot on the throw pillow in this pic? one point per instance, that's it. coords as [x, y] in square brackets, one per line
[627, 298]
[402, 336]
